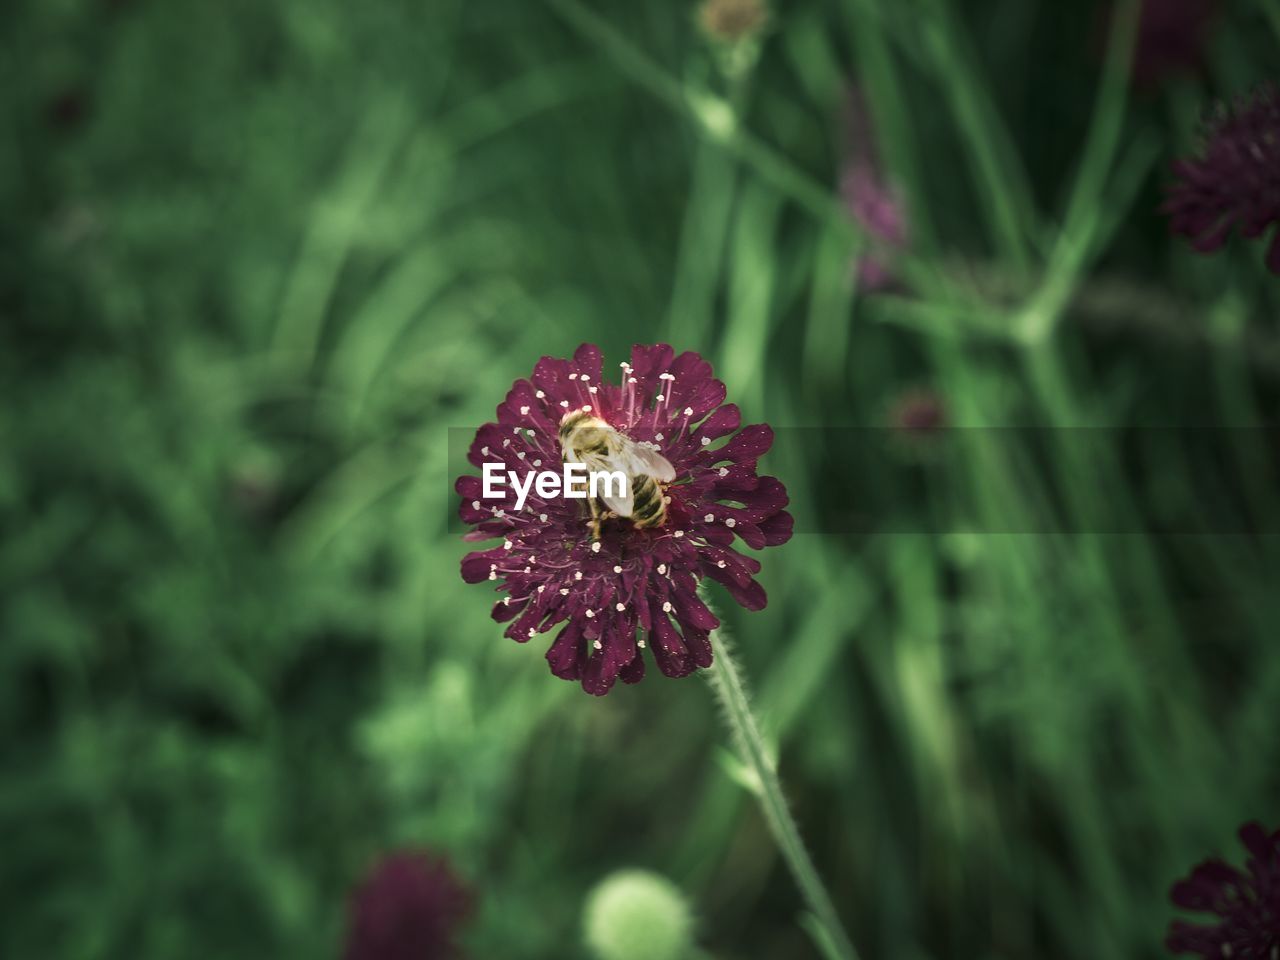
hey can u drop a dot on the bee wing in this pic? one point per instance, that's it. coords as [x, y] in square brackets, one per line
[622, 506]
[649, 461]
[613, 463]
[617, 463]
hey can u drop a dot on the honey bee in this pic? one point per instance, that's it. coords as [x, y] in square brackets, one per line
[586, 439]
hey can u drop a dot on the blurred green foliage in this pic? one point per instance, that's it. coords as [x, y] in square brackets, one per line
[259, 257]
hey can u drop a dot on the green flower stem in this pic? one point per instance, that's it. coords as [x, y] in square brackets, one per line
[727, 681]
[1078, 240]
[714, 118]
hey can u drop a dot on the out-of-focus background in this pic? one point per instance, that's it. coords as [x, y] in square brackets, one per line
[259, 258]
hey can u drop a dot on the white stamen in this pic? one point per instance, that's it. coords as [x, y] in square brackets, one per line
[591, 614]
[731, 522]
[678, 533]
[542, 518]
[485, 451]
[493, 575]
[688, 411]
[521, 455]
[719, 563]
[657, 436]
[577, 574]
[598, 645]
[640, 644]
[666, 606]
[706, 441]
[616, 568]
[543, 586]
[564, 591]
[619, 607]
[565, 404]
[709, 518]
[586, 408]
[506, 442]
[516, 431]
[573, 376]
[662, 568]
[660, 398]
[537, 463]
[506, 601]
[592, 389]
[524, 411]
[724, 471]
[595, 547]
[506, 544]
[584, 378]
[475, 504]
[540, 395]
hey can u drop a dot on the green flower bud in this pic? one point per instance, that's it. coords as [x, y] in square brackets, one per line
[637, 915]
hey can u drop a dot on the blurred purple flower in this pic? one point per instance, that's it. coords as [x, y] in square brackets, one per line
[1235, 181]
[408, 908]
[1172, 35]
[1246, 902]
[918, 412]
[872, 201]
[632, 578]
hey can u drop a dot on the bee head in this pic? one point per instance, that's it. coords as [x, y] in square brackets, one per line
[571, 421]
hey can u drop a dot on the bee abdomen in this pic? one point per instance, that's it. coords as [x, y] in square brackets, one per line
[647, 506]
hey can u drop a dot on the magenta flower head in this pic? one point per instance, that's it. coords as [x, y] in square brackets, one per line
[617, 574]
[1246, 902]
[1235, 182]
[409, 908]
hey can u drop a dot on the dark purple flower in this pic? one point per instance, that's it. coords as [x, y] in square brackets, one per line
[870, 198]
[633, 587]
[1171, 38]
[1235, 182]
[408, 908]
[1246, 902]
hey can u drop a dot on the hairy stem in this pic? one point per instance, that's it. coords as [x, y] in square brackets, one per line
[726, 678]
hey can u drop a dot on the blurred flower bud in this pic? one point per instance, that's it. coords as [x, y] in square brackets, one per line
[638, 915]
[870, 196]
[919, 412]
[408, 908]
[917, 421]
[732, 21]
[1172, 38]
[253, 483]
[68, 109]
